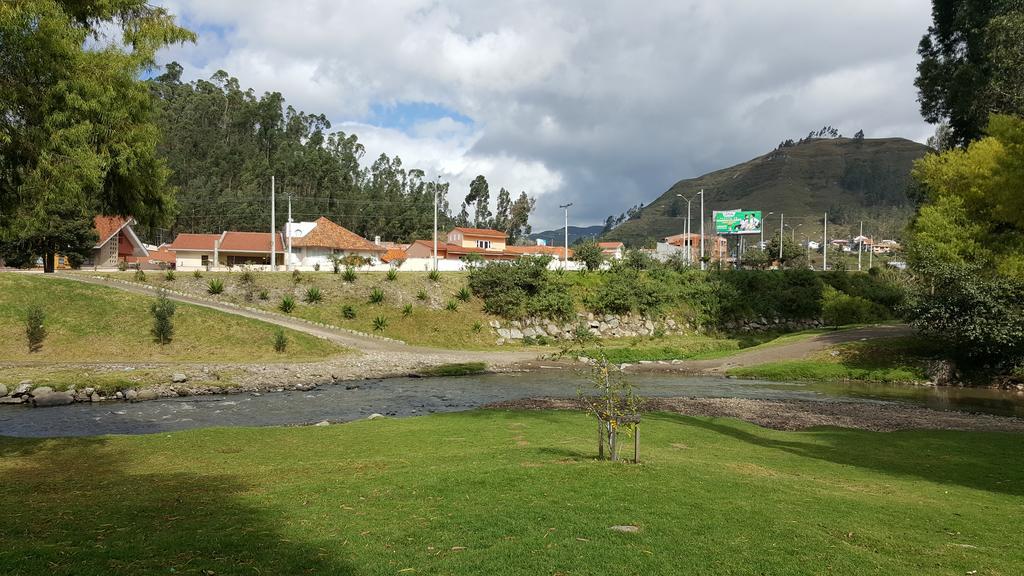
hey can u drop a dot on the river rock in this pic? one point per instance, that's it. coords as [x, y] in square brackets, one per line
[147, 394]
[179, 378]
[42, 391]
[89, 391]
[13, 400]
[505, 333]
[23, 387]
[94, 397]
[515, 334]
[52, 399]
[3, 390]
[495, 324]
[322, 423]
[130, 395]
[374, 416]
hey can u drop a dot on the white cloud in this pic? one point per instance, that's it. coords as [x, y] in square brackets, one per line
[606, 102]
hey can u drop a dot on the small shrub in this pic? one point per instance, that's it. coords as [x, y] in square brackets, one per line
[407, 310]
[35, 329]
[296, 276]
[349, 275]
[581, 334]
[380, 324]
[422, 296]
[451, 306]
[659, 331]
[542, 340]
[348, 312]
[247, 276]
[377, 296]
[392, 275]
[264, 295]
[335, 263]
[163, 313]
[122, 266]
[313, 295]
[215, 286]
[839, 309]
[528, 340]
[316, 267]
[280, 340]
[464, 294]
[197, 274]
[169, 275]
[140, 276]
[477, 327]
[287, 304]
[434, 275]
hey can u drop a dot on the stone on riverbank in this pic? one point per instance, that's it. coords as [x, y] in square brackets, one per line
[3, 390]
[53, 399]
[13, 400]
[42, 391]
[179, 378]
[144, 395]
[23, 387]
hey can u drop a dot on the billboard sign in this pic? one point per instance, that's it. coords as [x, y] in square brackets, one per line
[737, 222]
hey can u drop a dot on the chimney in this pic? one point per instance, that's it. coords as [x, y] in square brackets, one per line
[376, 240]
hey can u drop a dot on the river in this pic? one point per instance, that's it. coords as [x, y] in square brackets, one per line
[419, 396]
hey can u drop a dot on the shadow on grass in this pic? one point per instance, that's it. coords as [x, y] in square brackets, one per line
[971, 459]
[72, 508]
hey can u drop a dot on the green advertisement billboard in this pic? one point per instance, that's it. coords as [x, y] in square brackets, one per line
[737, 222]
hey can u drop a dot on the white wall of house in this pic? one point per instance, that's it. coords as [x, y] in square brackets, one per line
[307, 257]
[191, 260]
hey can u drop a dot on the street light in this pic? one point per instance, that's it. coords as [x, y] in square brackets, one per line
[565, 254]
[687, 228]
[437, 187]
[703, 265]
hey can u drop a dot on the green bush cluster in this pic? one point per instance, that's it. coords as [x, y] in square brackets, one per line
[521, 289]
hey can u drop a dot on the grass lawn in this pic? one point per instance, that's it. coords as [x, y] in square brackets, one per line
[889, 360]
[512, 493]
[693, 346]
[430, 324]
[87, 323]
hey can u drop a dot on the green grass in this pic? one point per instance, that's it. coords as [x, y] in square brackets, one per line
[455, 369]
[892, 360]
[513, 493]
[430, 324]
[88, 323]
[692, 347]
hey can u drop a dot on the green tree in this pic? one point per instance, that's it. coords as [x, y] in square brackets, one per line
[480, 195]
[589, 253]
[519, 220]
[162, 310]
[791, 251]
[972, 64]
[77, 126]
[757, 258]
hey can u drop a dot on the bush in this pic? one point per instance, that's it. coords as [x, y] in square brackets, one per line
[264, 295]
[163, 313]
[434, 276]
[313, 295]
[422, 296]
[296, 276]
[380, 324]
[287, 304]
[589, 253]
[392, 275]
[451, 306]
[197, 274]
[348, 312]
[215, 286]
[247, 276]
[376, 296]
[280, 340]
[839, 309]
[316, 267]
[35, 328]
[477, 327]
[140, 276]
[464, 294]
[515, 289]
[122, 266]
[169, 275]
[349, 275]
[354, 261]
[407, 310]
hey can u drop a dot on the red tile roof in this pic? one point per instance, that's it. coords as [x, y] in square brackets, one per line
[201, 242]
[327, 234]
[611, 245]
[107, 226]
[249, 242]
[394, 254]
[480, 232]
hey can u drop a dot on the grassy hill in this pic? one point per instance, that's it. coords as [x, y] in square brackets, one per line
[556, 237]
[850, 179]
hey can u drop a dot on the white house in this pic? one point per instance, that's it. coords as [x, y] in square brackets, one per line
[316, 243]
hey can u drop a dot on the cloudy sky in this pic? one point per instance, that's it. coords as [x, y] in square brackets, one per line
[602, 103]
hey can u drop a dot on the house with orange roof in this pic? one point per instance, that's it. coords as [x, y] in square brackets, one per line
[316, 243]
[116, 242]
[227, 249]
[612, 250]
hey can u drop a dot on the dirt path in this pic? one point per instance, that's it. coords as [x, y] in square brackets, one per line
[797, 350]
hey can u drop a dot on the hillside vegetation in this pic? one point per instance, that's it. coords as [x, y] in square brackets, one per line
[841, 176]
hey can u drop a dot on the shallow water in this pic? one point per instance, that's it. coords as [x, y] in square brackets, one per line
[412, 397]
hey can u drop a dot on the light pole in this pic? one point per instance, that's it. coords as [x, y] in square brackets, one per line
[860, 245]
[824, 246]
[565, 254]
[782, 228]
[686, 229]
[702, 263]
[273, 240]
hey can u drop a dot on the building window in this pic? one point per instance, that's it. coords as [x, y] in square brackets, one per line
[206, 260]
[485, 244]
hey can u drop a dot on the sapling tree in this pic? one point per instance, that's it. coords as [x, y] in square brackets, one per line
[35, 331]
[163, 313]
[613, 404]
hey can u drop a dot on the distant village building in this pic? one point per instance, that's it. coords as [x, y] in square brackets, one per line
[612, 250]
[116, 243]
[227, 249]
[316, 243]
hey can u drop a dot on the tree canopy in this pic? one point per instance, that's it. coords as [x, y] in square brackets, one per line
[77, 127]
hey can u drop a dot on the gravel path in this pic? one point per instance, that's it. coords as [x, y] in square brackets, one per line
[802, 414]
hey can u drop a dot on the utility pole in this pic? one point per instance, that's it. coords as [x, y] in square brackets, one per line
[860, 245]
[824, 246]
[688, 242]
[288, 232]
[702, 264]
[437, 187]
[273, 220]
[871, 255]
[565, 254]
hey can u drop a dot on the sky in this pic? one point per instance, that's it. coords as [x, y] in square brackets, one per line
[601, 103]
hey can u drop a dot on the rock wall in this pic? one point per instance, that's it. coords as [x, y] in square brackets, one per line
[601, 326]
